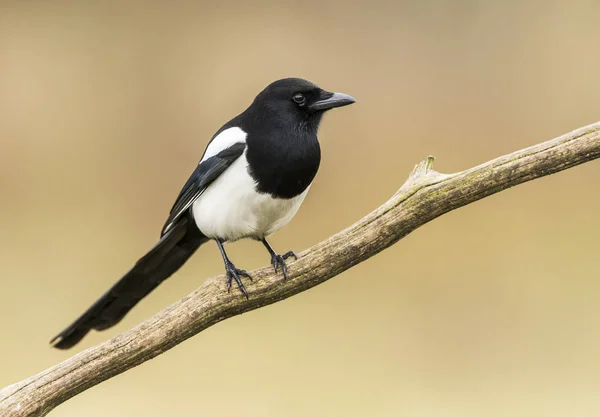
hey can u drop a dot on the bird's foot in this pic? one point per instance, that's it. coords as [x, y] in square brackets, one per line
[279, 261]
[233, 273]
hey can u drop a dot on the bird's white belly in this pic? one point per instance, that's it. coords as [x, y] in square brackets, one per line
[231, 209]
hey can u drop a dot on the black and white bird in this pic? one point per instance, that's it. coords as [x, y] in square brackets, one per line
[250, 182]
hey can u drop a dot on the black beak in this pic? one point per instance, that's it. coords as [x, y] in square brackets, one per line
[330, 100]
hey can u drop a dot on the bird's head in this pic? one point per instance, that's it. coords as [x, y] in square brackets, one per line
[299, 101]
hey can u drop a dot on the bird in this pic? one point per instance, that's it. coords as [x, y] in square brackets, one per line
[251, 180]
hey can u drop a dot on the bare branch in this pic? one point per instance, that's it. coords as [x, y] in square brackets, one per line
[425, 195]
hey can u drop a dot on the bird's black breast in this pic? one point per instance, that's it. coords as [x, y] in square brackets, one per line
[283, 162]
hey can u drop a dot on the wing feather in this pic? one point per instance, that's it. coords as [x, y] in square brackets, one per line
[205, 173]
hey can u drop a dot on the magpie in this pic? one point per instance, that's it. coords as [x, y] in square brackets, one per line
[252, 178]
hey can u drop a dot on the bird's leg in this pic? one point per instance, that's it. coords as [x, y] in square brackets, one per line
[232, 272]
[278, 260]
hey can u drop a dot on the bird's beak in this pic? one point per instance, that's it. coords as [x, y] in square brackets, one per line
[329, 100]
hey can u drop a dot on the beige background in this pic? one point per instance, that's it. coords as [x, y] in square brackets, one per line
[491, 310]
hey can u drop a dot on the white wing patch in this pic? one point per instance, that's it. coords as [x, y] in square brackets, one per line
[223, 141]
[230, 208]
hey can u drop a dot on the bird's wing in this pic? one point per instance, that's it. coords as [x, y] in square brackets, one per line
[205, 173]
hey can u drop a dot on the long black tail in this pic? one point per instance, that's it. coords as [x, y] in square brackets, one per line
[167, 256]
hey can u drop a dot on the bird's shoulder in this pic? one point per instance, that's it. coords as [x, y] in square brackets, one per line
[230, 133]
[226, 146]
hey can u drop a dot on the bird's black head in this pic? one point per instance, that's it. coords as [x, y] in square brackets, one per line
[283, 151]
[297, 101]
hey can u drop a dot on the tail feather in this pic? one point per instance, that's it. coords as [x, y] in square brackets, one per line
[166, 257]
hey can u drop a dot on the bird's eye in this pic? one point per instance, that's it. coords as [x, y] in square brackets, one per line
[299, 98]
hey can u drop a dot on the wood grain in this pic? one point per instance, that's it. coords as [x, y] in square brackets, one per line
[425, 195]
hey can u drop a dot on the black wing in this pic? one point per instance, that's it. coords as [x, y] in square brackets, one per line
[204, 174]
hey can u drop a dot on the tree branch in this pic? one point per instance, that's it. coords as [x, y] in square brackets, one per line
[425, 195]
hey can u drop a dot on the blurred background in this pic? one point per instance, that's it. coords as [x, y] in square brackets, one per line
[106, 107]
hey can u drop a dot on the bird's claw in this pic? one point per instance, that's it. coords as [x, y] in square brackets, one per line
[279, 261]
[290, 254]
[233, 273]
